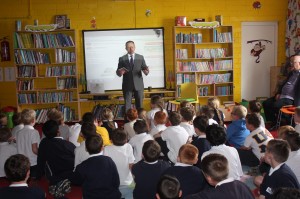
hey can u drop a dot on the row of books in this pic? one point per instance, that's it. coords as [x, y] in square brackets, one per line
[27, 98]
[181, 53]
[51, 97]
[184, 78]
[224, 90]
[26, 71]
[170, 107]
[214, 78]
[194, 38]
[203, 91]
[67, 83]
[222, 37]
[25, 85]
[42, 114]
[64, 56]
[41, 40]
[31, 57]
[208, 53]
[60, 70]
[203, 66]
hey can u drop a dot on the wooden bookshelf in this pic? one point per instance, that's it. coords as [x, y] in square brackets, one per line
[46, 73]
[204, 56]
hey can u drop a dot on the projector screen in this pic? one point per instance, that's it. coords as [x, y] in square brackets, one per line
[102, 49]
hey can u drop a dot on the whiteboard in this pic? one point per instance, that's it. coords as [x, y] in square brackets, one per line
[102, 49]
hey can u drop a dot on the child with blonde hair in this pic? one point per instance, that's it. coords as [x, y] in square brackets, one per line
[283, 130]
[28, 139]
[214, 103]
[131, 116]
[156, 104]
[237, 130]
[107, 117]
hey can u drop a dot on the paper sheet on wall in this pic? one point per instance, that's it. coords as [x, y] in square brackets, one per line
[1, 74]
[9, 74]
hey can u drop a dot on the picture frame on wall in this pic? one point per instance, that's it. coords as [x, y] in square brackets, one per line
[60, 20]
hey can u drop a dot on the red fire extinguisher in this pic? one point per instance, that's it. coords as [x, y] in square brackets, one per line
[5, 53]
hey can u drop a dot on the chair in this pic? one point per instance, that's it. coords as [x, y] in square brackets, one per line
[188, 91]
[288, 110]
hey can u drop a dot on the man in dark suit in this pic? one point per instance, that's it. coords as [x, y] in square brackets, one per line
[289, 92]
[17, 170]
[131, 67]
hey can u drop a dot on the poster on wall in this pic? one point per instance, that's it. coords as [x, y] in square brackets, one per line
[259, 53]
[9, 74]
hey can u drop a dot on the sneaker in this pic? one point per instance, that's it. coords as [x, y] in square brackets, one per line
[60, 189]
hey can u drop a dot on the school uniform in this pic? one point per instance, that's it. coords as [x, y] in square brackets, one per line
[188, 127]
[234, 163]
[17, 191]
[158, 128]
[293, 163]
[175, 137]
[98, 177]
[190, 177]
[59, 155]
[74, 134]
[6, 150]
[128, 128]
[202, 145]
[15, 130]
[280, 176]
[103, 132]
[150, 116]
[228, 188]
[146, 176]
[80, 154]
[122, 157]
[137, 143]
[25, 138]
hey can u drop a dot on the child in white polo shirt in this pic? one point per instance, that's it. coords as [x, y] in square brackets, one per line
[28, 139]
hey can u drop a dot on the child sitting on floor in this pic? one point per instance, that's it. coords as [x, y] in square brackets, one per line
[160, 120]
[131, 116]
[214, 103]
[255, 107]
[157, 104]
[188, 115]
[168, 187]
[108, 122]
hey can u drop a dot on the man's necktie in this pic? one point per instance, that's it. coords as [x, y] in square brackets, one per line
[131, 62]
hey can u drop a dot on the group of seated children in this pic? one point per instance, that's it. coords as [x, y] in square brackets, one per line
[196, 155]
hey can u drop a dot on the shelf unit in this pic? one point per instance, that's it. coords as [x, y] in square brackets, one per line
[204, 56]
[46, 73]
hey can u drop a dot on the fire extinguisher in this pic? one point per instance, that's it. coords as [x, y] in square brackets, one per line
[5, 53]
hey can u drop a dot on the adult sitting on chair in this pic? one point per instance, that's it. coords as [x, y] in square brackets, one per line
[288, 93]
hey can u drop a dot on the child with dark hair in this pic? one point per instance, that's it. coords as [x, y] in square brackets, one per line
[216, 136]
[28, 139]
[6, 149]
[286, 193]
[160, 120]
[188, 115]
[200, 123]
[3, 120]
[122, 154]
[190, 177]
[175, 136]
[55, 155]
[280, 175]
[237, 130]
[132, 116]
[18, 124]
[89, 117]
[157, 104]
[168, 187]
[255, 106]
[209, 112]
[87, 129]
[141, 129]
[108, 122]
[147, 172]
[255, 144]
[215, 169]
[97, 182]
[17, 169]
[293, 138]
